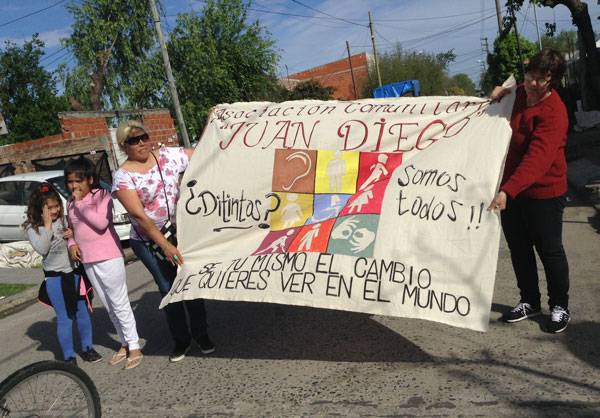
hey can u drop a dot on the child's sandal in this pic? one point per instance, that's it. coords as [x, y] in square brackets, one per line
[133, 362]
[117, 358]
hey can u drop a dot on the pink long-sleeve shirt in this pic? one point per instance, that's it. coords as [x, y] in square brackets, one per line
[93, 229]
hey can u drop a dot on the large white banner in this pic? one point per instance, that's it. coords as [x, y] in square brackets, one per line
[374, 206]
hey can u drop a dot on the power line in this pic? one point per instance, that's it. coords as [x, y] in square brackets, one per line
[52, 54]
[327, 14]
[31, 14]
[58, 58]
[432, 18]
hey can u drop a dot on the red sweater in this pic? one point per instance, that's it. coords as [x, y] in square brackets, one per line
[535, 166]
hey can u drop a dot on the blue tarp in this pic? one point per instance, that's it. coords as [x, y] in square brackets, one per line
[397, 89]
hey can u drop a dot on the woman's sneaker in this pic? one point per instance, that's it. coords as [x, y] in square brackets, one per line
[559, 320]
[520, 312]
[91, 355]
[205, 344]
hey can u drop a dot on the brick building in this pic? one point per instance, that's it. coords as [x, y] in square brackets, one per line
[337, 75]
[85, 133]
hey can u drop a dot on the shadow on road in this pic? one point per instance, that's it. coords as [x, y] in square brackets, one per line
[255, 331]
[582, 341]
[272, 331]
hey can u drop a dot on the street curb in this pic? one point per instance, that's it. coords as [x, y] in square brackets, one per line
[28, 297]
[18, 302]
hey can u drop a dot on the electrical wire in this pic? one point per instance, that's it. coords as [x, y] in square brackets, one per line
[31, 14]
[327, 14]
[52, 54]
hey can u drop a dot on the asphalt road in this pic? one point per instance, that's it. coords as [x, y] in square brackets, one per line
[286, 361]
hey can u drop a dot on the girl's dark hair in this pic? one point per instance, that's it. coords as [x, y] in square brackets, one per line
[38, 198]
[548, 60]
[84, 168]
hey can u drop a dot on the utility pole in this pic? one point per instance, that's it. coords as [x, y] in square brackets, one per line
[537, 26]
[499, 15]
[518, 43]
[167, 63]
[485, 44]
[287, 72]
[374, 48]
[352, 71]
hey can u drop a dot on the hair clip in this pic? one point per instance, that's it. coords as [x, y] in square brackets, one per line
[44, 188]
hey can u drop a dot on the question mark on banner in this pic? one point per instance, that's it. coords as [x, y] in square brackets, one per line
[275, 195]
[307, 162]
[191, 184]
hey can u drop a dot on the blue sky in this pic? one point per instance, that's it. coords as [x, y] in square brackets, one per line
[309, 33]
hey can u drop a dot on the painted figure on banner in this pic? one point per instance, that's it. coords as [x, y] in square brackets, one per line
[291, 213]
[336, 169]
[362, 199]
[330, 211]
[277, 246]
[306, 241]
[377, 172]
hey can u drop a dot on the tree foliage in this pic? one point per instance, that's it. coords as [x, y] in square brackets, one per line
[28, 93]
[398, 65]
[462, 82]
[564, 41]
[587, 46]
[311, 89]
[111, 42]
[505, 60]
[219, 57]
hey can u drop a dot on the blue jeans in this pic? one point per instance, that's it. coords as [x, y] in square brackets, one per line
[537, 223]
[64, 323]
[164, 274]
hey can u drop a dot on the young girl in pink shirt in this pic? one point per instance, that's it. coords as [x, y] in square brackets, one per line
[96, 244]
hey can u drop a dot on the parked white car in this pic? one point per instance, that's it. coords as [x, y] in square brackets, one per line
[14, 196]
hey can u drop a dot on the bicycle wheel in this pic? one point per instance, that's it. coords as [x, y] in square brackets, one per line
[49, 389]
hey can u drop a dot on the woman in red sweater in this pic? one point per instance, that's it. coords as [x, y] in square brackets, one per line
[531, 195]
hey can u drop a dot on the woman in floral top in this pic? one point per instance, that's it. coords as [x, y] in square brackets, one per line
[138, 186]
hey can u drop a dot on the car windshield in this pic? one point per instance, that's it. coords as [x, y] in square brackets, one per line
[61, 185]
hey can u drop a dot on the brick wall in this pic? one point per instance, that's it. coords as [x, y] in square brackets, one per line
[84, 132]
[337, 74]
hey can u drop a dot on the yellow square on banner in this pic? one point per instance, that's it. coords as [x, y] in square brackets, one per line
[294, 209]
[337, 172]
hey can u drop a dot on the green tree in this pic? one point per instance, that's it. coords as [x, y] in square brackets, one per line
[28, 94]
[464, 83]
[588, 52]
[397, 65]
[112, 41]
[564, 41]
[505, 60]
[311, 89]
[219, 57]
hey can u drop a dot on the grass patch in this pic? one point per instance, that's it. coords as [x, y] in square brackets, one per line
[9, 289]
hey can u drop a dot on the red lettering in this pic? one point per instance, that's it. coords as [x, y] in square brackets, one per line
[232, 136]
[431, 140]
[400, 137]
[346, 136]
[301, 126]
[251, 126]
[286, 127]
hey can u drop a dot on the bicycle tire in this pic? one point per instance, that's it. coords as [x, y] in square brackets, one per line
[29, 392]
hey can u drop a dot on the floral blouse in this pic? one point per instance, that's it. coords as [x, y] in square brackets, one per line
[149, 187]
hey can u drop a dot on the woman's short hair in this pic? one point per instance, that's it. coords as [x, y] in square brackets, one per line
[548, 60]
[125, 128]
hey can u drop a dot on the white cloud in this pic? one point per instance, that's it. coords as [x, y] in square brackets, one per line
[51, 38]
